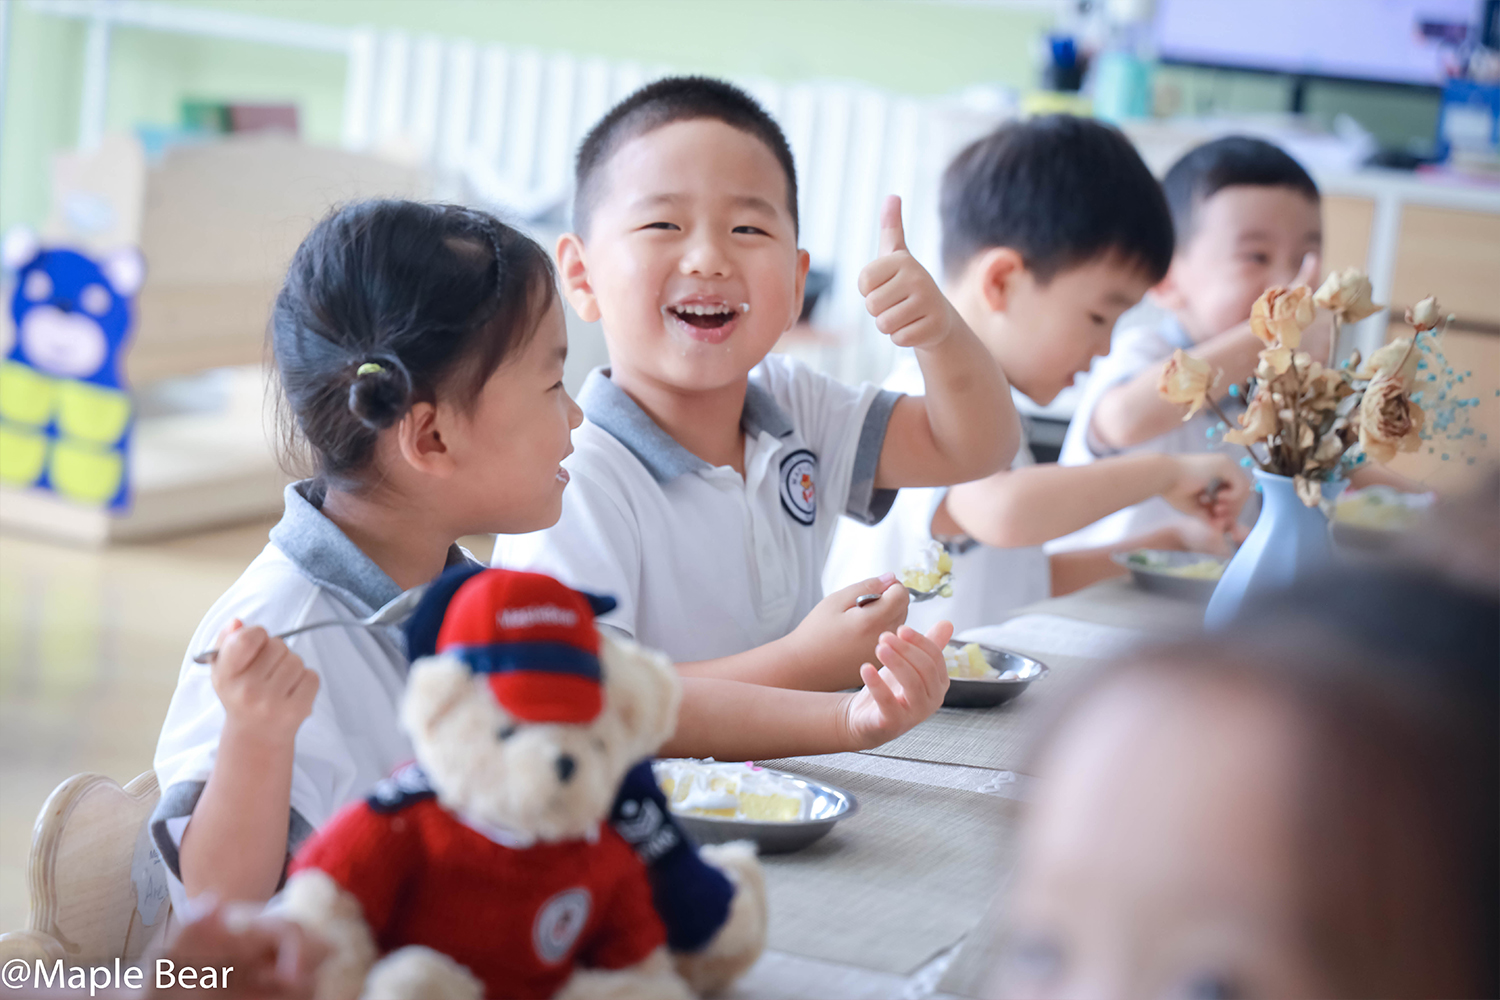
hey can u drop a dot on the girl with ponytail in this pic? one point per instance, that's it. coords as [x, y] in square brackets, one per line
[419, 354]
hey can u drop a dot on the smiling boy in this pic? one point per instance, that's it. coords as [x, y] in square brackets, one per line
[708, 478]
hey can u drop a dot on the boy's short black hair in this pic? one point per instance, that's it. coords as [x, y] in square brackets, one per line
[1232, 161]
[674, 99]
[1060, 191]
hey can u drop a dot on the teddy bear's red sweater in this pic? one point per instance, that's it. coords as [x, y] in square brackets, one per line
[518, 918]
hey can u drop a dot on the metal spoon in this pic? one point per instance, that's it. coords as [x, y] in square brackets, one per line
[393, 612]
[917, 597]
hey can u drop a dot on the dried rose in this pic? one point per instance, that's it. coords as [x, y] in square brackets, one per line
[1347, 293]
[1426, 314]
[1309, 491]
[1324, 388]
[1328, 450]
[1281, 314]
[1276, 360]
[1257, 423]
[1385, 360]
[1188, 380]
[1388, 420]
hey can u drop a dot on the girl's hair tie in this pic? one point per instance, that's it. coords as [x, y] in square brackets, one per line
[380, 392]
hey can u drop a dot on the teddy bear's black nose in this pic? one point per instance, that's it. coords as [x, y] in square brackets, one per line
[565, 767]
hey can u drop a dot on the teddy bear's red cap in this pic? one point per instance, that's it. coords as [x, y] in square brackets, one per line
[536, 640]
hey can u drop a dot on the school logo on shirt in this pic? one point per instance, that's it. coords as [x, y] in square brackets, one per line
[559, 923]
[799, 490]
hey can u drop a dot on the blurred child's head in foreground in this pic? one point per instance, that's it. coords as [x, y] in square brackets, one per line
[1246, 215]
[1303, 807]
[1052, 227]
[685, 240]
[418, 342]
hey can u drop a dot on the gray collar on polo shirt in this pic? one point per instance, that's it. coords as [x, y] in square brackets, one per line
[608, 406]
[327, 557]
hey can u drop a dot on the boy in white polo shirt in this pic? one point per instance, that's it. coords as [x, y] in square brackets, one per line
[708, 478]
[1051, 229]
[1246, 217]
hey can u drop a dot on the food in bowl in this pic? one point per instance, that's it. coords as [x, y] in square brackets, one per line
[968, 663]
[731, 791]
[1381, 508]
[1205, 569]
[935, 573]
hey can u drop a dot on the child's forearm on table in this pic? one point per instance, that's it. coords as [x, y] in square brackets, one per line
[1083, 567]
[1134, 412]
[728, 720]
[235, 843]
[1038, 503]
[779, 664]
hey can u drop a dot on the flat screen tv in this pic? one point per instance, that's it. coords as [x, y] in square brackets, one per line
[1380, 41]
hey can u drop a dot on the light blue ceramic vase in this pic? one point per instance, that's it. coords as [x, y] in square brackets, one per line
[1289, 541]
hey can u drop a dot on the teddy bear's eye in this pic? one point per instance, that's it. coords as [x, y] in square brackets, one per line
[505, 732]
[38, 286]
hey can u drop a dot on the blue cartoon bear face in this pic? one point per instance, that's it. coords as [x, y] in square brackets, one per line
[72, 313]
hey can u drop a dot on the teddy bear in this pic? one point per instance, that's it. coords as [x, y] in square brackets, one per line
[526, 851]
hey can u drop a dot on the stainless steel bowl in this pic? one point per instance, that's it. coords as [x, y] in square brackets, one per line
[1147, 567]
[1017, 672]
[829, 805]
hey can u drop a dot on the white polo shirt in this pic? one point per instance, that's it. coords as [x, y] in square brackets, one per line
[309, 571]
[705, 563]
[1144, 338]
[988, 583]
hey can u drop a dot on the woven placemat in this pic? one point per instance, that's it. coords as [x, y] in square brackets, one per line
[997, 737]
[890, 887]
[973, 968]
[1119, 602]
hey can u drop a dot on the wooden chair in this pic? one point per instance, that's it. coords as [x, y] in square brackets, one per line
[98, 886]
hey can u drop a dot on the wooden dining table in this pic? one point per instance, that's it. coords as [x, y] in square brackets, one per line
[902, 899]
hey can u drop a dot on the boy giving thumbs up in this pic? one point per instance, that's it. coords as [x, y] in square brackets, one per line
[708, 477]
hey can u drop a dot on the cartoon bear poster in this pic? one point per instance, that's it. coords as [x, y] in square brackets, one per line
[65, 414]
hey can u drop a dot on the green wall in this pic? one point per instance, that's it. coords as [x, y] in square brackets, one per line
[913, 47]
[903, 45]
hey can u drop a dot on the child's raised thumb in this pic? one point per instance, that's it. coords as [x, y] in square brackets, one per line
[892, 233]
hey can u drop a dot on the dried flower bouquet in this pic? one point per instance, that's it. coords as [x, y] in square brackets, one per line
[1305, 417]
